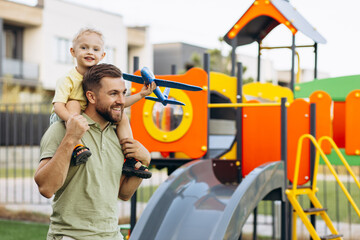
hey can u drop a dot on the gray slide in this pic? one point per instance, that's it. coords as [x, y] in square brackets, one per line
[193, 204]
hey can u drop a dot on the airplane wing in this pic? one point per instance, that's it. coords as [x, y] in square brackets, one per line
[171, 84]
[173, 102]
[166, 101]
[133, 78]
[162, 83]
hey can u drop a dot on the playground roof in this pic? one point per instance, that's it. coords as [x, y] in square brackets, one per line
[263, 16]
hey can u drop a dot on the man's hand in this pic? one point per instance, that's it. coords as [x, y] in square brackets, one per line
[134, 149]
[147, 89]
[76, 126]
[51, 172]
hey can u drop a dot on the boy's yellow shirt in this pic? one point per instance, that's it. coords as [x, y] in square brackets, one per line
[69, 87]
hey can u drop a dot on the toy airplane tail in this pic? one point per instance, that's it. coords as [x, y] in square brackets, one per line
[166, 92]
[166, 101]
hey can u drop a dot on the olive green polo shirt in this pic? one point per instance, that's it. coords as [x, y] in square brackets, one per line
[85, 207]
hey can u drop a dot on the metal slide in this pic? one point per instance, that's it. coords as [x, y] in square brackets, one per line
[193, 204]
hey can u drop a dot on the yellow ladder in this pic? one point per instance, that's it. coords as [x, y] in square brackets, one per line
[310, 191]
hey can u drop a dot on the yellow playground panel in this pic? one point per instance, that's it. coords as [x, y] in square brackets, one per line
[227, 86]
[268, 91]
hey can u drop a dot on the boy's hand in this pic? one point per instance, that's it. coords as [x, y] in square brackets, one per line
[134, 149]
[147, 89]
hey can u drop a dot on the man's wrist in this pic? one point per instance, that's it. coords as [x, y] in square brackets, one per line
[70, 140]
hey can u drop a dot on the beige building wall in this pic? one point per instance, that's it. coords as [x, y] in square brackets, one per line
[139, 45]
[306, 75]
[57, 19]
[20, 14]
[32, 44]
[267, 70]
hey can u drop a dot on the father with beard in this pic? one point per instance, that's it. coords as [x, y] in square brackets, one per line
[85, 201]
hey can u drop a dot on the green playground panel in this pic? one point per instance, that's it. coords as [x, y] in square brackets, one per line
[338, 88]
[353, 160]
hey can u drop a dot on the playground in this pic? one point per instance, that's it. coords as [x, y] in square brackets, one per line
[233, 152]
[233, 146]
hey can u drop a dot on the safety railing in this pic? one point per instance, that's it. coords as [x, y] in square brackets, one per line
[332, 170]
[231, 105]
[319, 152]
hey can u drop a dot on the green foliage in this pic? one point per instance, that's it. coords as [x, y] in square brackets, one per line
[196, 60]
[218, 62]
[248, 80]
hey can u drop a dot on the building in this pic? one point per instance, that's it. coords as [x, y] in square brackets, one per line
[267, 71]
[35, 43]
[306, 75]
[176, 54]
[181, 55]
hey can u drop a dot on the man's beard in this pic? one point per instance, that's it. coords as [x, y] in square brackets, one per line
[106, 113]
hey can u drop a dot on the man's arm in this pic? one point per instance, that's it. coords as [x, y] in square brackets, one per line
[132, 149]
[145, 91]
[51, 172]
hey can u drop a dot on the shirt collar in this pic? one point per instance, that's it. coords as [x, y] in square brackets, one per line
[75, 75]
[93, 123]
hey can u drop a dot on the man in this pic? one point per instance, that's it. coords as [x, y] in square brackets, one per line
[85, 202]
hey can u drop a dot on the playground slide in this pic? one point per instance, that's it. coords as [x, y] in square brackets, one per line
[193, 204]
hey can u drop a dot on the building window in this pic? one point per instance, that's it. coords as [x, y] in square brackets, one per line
[13, 42]
[62, 48]
[10, 44]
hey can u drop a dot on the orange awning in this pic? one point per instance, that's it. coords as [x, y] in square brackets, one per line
[263, 16]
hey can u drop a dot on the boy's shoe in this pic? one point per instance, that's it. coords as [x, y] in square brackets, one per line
[79, 157]
[130, 170]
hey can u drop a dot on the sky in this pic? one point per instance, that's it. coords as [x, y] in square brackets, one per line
[202, 22]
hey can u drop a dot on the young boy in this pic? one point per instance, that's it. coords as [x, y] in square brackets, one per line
[88, 49]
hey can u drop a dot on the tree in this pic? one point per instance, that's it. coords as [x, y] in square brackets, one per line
[218, 62]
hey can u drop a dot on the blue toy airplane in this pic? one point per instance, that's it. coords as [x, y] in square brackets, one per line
[148, 77]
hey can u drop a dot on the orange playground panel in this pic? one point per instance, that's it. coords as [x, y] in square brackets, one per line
[190, 137]
[298, 124]
[323, 117]
[261, 136]
[352, 126]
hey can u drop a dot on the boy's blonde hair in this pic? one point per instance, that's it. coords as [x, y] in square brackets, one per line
[83, 31]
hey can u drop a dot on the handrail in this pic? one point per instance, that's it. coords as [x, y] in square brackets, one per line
[298, 157]
[341, 156]
[332, 170]
[319, 153]
[230, 105]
